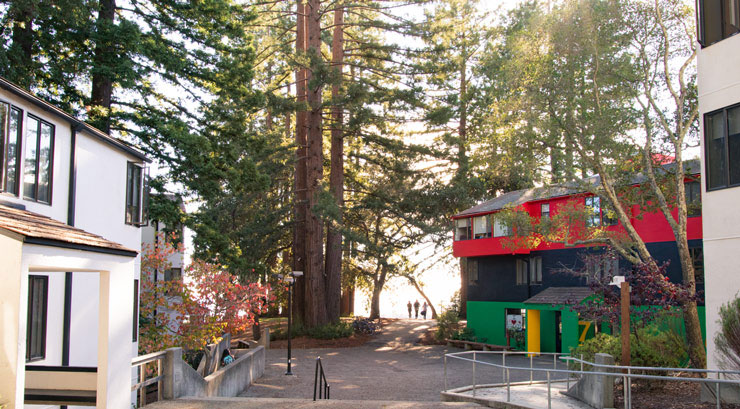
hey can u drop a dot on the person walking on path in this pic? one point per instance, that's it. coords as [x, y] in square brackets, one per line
[424, 310]
[409, 307]
[416, 309]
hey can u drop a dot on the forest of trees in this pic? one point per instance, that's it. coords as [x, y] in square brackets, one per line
[336, 137]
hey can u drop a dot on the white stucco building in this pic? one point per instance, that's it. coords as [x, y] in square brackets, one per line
[719, 108]
[70, 208]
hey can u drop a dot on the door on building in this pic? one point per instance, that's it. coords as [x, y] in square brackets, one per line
[558, 332]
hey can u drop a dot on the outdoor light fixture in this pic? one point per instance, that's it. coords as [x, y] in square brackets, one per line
[290, 279]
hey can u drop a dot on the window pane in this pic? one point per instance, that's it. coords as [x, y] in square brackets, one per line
[715, 141]
[733, 142]
[13, 151]
[46, 147]
[461, 229]
[36, 326]
[481, 227]
[500, 229]
[29, 165]
[545, 210]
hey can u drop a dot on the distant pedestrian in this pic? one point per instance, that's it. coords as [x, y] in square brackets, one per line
[416, 309]
[409, 307]
[424, 310]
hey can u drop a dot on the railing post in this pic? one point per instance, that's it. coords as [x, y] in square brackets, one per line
[555, 361]
[316, 377]
[159, 382]
[531, 369]
[717, 393]
[508, 385]
[445, 372]
[142, 391]
[549, 401]
[581, 366]
[474, 373]
[719, 390]
[503, 363]
[624, 390]
[629, 386]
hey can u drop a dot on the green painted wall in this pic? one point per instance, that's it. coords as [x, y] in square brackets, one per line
[547, 331]
[488, 319]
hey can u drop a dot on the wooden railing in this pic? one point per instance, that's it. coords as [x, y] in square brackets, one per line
[143, 382]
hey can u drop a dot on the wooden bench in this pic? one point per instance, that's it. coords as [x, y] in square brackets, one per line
[480, 346]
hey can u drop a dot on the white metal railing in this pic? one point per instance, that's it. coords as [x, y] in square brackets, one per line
[610, 370]
[143, 382]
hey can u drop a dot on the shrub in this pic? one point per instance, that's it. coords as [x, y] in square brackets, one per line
[364, 326]
[332, 331]
[727, 340]
[517, 338]
[447, 324]
[650, 347]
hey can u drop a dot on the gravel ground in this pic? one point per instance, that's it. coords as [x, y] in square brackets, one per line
[391, 366]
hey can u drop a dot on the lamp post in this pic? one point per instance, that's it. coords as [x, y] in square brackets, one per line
[290, 279]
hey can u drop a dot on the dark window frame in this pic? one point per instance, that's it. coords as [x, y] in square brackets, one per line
[136, 214]
[38, 161]
[726, 137]
[604, 220]
[535, 270]
[697, 259]
[522, 272]
[692, 209]
[701, 25]
[472, 270]
[135, 331]
[468, 229]
[31, 355]
[5, 136]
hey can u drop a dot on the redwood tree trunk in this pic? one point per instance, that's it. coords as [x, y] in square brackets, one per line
[315, 290]
[102, 81]
[378, 285]
[336, 178]
[300, 202]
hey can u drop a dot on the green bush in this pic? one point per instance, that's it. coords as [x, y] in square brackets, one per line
[727, 340]
[650, 347]
[332, 331]
[447, 324]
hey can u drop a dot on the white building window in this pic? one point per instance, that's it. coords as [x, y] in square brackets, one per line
[10, 148]
[481, 227]
[545, 211]
[500, 228]
[136, 195]
[39, 160]
[462, 229]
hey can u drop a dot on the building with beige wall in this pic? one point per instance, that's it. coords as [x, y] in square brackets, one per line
[719, 108]
[71, 207]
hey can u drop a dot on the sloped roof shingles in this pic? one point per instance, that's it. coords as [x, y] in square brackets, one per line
[33, 225]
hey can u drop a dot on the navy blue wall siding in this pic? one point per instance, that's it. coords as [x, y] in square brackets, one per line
[497, 274]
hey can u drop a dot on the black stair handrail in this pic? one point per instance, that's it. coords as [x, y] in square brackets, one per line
[319, 381]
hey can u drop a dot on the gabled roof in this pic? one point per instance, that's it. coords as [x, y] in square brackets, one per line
[42, 230]
[519, 197]
[560, 295]
[40, 103]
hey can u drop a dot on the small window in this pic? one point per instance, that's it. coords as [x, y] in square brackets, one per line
[462, 229]
[693, 199]
[545, 211]
[10, 147]
[717, 20]
[722, 148]
[38, 287]
[39, 158]
[136, 195]
[521, 272]
[135, 330]
[608, 214]
[515, 319]
[481, 227]
[500, 228]
[472, 271]
[535, 270]
[697, 257]
[173, 274]
[593, 210]
[600, 268]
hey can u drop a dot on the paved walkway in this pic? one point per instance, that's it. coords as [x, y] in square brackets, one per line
[389, 367]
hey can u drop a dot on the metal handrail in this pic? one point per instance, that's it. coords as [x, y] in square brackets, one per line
[140, 386]
[626, 376]
[319, 380]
